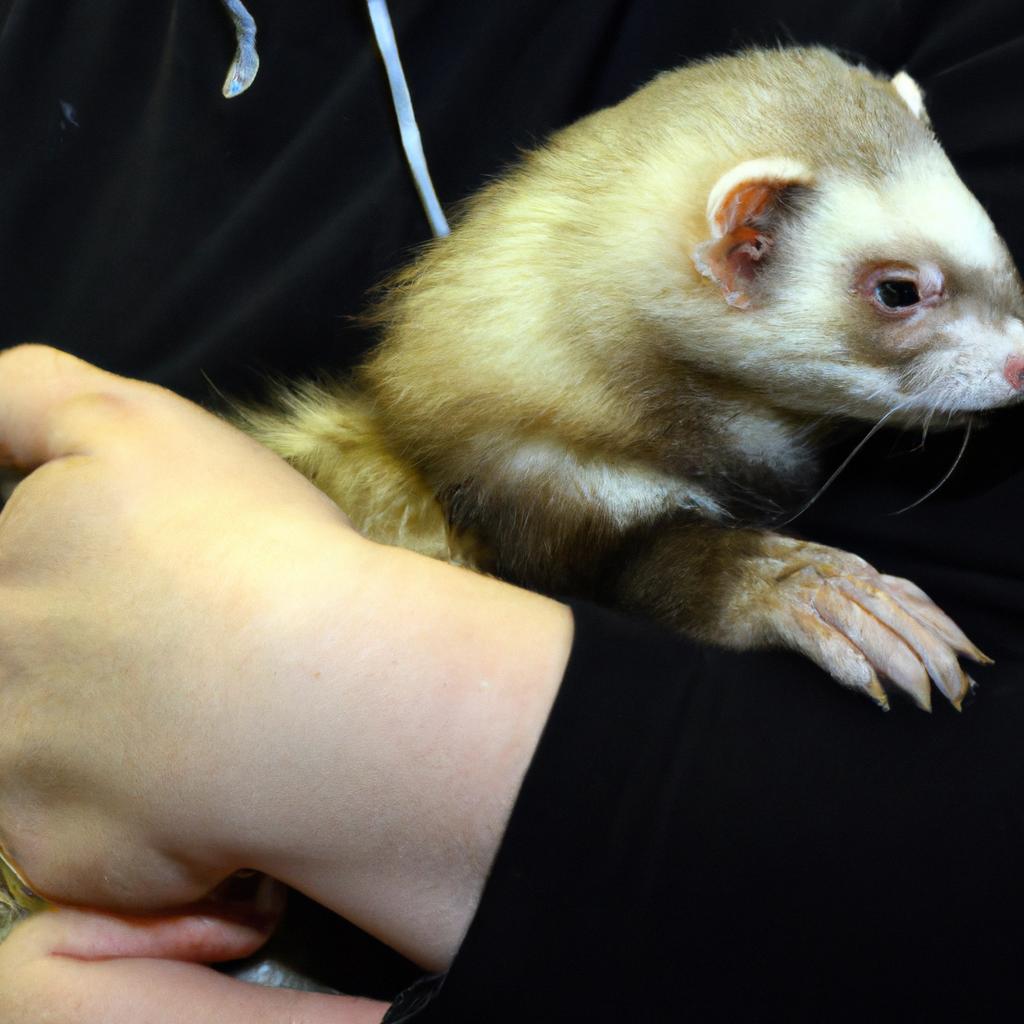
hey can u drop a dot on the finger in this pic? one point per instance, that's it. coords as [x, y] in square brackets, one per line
[917, 603]
[883, 648]
[198, 938]
[834, 653]
[937, 656]
[39, 983]
[148, 990]
[37, 386]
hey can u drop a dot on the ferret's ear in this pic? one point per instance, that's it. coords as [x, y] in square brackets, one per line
[744, 209]
[910, 92]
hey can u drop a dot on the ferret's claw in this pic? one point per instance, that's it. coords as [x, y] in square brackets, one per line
[877, 693]
[859, 625]
[917, 603]
[907, 631]
[836, 654]
[879, 644]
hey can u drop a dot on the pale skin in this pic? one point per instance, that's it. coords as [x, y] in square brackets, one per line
[203, 668]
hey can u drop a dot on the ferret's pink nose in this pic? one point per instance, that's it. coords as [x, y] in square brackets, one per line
[1014, 372]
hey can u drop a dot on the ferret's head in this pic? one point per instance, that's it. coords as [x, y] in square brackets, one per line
[861, 274]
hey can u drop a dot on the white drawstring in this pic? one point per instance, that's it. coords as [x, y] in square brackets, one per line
[411, 141]
[247, 62]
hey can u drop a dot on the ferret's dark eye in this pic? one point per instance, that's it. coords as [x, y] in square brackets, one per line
[897, 294]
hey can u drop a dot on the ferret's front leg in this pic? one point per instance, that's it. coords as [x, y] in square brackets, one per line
[747, 589]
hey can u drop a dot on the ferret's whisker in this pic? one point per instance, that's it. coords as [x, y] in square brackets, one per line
[849, 458]
[946, 475]
[927, 424]
[924, 430]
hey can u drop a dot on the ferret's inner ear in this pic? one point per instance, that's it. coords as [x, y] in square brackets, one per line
[745, 210]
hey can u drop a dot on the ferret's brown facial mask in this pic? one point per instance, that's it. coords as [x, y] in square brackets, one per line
[955, 337]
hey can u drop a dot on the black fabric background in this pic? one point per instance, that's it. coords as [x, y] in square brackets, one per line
[150, 225]
[702, 838]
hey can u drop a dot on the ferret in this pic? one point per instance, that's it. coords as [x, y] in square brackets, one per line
[627, 354]
[632, 345]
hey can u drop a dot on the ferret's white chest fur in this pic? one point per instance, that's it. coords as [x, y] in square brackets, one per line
[629, 492]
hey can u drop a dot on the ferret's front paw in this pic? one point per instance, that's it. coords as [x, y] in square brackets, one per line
[858, 624]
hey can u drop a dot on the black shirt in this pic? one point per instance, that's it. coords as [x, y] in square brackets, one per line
[701, 835]
[697, 839]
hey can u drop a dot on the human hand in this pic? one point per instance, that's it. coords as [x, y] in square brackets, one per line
[137, 628]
